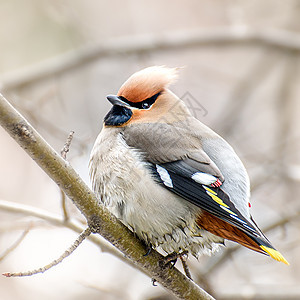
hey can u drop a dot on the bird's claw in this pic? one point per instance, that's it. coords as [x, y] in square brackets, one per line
[148, 251]
[171, 259]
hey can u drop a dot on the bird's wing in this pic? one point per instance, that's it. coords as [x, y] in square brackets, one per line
[199, 161]
[220, 216]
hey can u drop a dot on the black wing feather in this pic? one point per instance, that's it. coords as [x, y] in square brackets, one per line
[203, 197]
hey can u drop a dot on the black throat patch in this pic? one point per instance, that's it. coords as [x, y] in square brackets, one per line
[117, 116]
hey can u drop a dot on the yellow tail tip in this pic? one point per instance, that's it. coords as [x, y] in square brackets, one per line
[275, 254]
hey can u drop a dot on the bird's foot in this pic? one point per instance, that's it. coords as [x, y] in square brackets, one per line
[171, 259]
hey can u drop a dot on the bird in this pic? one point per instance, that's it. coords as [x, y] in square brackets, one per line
[173, 181]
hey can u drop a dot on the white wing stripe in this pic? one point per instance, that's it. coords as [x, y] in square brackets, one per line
[164, 175]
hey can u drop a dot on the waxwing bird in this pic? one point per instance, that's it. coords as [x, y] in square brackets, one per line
[169, 178]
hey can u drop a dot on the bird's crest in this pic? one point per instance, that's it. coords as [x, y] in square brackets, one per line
[147, 82]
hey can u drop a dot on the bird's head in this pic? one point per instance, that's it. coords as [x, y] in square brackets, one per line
[145, 98]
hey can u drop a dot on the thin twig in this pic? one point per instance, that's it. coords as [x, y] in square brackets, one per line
[63, 153]
[14, 245]
[66, 146]
[63, 205]
[68, 252]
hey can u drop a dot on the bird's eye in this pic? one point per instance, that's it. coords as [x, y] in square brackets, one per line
[145, 105]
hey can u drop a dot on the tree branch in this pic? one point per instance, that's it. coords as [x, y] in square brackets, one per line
[99, 219]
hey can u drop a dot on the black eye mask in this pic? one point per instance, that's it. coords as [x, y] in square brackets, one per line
[145, 104]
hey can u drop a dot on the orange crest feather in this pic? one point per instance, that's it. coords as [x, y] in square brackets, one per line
[147, 82]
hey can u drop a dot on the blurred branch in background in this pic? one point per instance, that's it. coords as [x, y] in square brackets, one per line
[14, 245]
[280, 39]
[240, 97]
[57, 220]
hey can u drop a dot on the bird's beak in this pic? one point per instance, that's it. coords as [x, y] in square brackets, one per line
[115, 100]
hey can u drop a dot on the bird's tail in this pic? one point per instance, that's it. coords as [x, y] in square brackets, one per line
[269, 249]
[256, 242]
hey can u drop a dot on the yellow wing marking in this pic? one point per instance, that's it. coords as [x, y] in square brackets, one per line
[209, 190]
[214, 196]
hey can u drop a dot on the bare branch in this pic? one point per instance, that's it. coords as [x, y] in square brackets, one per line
[99, 219]
[68, 252]
[280, 39]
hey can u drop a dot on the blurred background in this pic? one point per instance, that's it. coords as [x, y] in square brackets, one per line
[59, 59]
